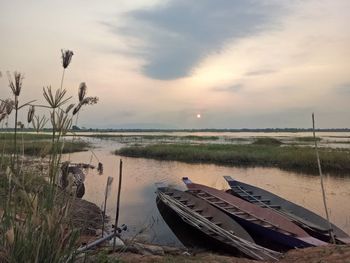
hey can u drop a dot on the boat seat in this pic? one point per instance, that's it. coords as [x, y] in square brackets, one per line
[211, 198]
[272, 206]
[169, 193]
[241, 190]
[261, 201]
[251, 196]
[220, 203]
[198, 210]
[252, 219]
[268, 226]
[239, 213]
[208, 217]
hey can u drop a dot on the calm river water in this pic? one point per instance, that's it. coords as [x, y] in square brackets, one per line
[138, 207]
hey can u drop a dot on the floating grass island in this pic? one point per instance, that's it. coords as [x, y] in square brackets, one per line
[263, 152]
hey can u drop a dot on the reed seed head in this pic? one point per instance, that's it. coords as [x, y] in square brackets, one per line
[66, 57]
[77, 108]
[9, 106]
[16, 84]
[2, 106]
[82, 91]
[70, 106]
[31, 112]
[6, 106]
[2, 116]
[90, 101]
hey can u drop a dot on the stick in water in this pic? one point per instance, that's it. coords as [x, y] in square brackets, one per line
[108, 186]
[118, 201]
[322, 186]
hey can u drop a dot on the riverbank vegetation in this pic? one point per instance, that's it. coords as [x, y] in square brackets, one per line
[36, 221]
[39, 144]
[264, 153]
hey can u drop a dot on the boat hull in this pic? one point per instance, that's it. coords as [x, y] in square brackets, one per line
[189, 236]
[193, 237]
[263, 225]
[312, 223]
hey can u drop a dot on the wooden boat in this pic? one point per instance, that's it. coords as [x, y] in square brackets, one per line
[199, 224]
[314, 224]
[267, 227]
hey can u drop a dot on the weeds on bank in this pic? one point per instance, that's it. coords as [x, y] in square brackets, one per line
[34, 222]
[260, 154]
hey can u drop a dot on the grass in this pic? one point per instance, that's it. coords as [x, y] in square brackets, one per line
[39, 145]
[288, 157]
[267, 141]
[35, 225]
[26, 136]
[307, 139]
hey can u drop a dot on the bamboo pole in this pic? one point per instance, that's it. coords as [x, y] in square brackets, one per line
[108, 184]
[118, 200]
[322, 185]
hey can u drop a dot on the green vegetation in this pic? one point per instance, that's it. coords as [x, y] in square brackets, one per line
[38, 144]
[307, 139]
[267, 141]
[35, 225]
[42, 148]
[199, 138]
[287, 157]
[25, 136]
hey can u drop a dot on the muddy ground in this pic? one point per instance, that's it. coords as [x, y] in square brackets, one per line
[329, 254]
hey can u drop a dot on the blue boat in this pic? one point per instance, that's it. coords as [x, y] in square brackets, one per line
[314, 224]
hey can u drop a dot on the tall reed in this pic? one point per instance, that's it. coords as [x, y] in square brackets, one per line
[34, 213]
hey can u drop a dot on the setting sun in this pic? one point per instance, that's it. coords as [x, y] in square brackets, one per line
[199, 116]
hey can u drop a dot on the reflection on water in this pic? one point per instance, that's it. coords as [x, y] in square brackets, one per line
[138, 206]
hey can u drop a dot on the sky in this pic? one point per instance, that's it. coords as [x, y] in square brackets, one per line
[164, 63]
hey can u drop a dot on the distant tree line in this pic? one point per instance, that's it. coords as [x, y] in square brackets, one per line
[84, 129]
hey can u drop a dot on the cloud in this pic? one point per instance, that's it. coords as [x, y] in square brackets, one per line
[233, 88]
[176, 36]
[261, 72]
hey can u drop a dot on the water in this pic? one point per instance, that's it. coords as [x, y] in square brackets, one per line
[138, 208]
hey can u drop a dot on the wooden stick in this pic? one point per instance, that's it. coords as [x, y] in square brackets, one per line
[322, 185]
[118, 200]
[109, 182]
